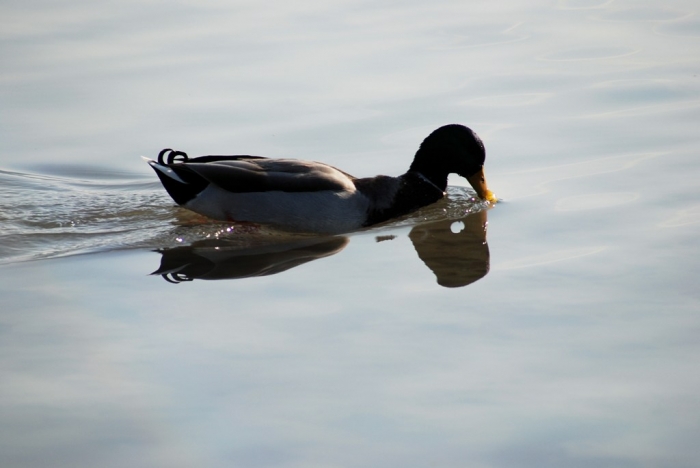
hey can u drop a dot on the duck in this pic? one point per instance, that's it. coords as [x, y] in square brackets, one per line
[308, 196]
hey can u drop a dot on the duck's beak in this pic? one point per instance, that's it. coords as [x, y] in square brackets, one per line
[478, 182]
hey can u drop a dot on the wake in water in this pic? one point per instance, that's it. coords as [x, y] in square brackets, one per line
[48, 216]
[80, 210]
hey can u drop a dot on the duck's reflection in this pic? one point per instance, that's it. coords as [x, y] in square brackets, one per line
[455, 250]
[216, 259]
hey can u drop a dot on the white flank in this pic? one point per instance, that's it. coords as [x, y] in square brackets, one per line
[323, 211]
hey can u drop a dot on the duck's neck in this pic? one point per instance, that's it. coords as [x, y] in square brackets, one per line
[436, 176]
[391, 197]
[431, 167]
[442, 187]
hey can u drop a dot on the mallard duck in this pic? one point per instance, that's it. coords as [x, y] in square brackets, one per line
[315, 197]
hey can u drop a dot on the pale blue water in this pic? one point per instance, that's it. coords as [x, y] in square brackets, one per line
[563, 334]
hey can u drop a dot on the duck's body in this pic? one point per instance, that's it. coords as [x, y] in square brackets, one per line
[315, 197]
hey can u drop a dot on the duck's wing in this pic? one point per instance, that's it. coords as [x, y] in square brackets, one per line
[246, 174]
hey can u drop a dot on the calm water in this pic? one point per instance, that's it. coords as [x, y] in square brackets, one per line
[558, 328]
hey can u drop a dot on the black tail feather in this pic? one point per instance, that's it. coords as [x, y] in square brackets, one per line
[181, 183]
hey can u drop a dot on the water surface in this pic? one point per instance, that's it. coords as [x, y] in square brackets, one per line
[558, 328]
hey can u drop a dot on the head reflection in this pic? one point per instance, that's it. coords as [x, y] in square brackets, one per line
[455, 250]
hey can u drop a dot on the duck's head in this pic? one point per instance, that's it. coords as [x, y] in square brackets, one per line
[453, 149]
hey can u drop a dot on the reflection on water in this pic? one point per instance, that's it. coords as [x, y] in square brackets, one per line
[215, 259]
[454, 249]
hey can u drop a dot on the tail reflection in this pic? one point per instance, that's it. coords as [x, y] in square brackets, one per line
[455, 250]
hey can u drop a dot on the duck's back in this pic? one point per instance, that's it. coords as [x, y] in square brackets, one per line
[293, 194]
[255, 174]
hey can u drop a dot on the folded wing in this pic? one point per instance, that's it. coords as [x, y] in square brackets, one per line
[265, 175]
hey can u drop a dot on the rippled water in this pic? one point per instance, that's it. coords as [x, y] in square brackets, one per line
[133, 333]
[46, 216]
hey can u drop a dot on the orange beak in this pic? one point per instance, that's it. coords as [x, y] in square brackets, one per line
[478, 182]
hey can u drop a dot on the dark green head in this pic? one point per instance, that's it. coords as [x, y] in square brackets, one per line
[452, 149]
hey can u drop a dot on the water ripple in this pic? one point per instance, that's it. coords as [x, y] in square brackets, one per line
[46, 216]
[588, 54]
[688, 26]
